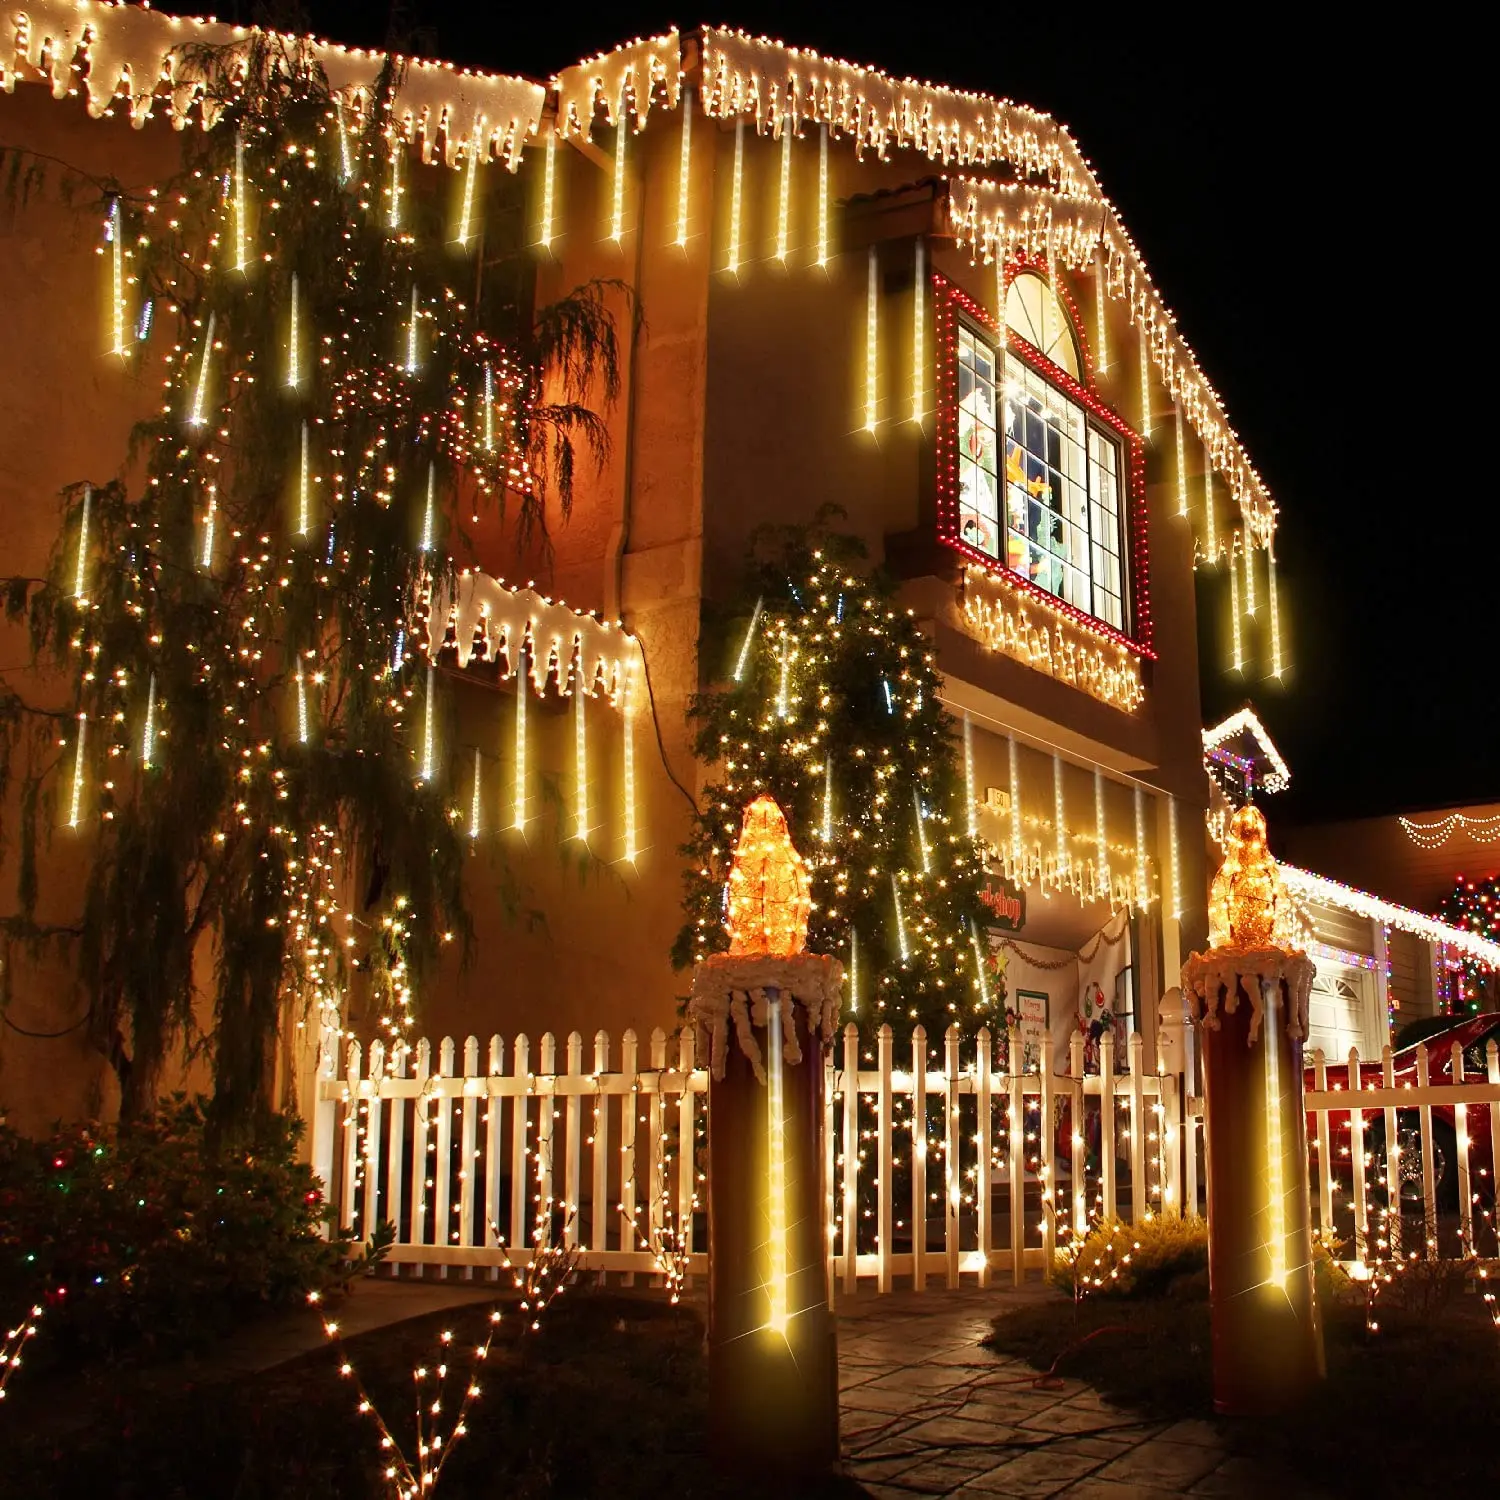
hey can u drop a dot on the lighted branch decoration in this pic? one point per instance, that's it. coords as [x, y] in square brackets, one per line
[346, 359]
[832, 708]
[15, 1340]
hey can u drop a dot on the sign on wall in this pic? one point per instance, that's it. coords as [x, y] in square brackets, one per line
[1005, 902]
[1031, 1007]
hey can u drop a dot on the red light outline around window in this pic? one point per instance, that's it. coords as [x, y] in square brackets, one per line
[949, 299]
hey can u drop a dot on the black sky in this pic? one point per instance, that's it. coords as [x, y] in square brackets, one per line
[1271, 178]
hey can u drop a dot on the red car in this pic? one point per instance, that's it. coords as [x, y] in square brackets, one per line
[1435, 1037]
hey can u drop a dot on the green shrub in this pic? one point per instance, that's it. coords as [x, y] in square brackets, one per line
[149, 1234]
[1116, 1259]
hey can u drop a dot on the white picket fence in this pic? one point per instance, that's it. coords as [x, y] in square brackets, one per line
[1351, 1188]
[474, 1163]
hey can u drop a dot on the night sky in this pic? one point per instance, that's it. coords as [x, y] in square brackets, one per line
[1269, 182]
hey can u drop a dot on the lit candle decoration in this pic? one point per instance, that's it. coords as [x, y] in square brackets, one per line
[919, 336]
[429, 725]
[822, 195]
[148, 731]
[81, 572]
[75, 804]
[116, 232]
[736, 195]
[684, 166]
[872, 336]
[739, 666]
[580, 758]
[549, 188]
[209, 516]
[784, 200]
[196, 416]
[617, 181]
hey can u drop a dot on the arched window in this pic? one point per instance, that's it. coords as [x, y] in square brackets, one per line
[1041, 470]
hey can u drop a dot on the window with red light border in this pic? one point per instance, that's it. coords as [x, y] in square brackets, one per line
[959, 317]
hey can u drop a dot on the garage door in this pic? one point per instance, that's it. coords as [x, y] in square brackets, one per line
[1341, 1014]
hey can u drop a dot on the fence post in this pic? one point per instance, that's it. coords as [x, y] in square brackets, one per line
[573, 1160]
[491, 1224]
[468, 1142]
[421, 1123]
[687, 1138]
[1325, 1166]
[1429, 1168]
[951, 1146]
[395, 1148]
[984, 1066]
[656, 1165]
[1107, 1185]
[325, 1118]
[1137, 1129]
[918, 1158]
[351, 1137]
[1461, 1145]
[371, 1197]
[1016, 1147]
[442, 1214]
[851, 1158]
[883, 1184]
[520, 1143]
[829, 1166]
[544, 1083]
[1169, 1124]
[1392, 1152]
[1357, 1151]
[1048, 1153]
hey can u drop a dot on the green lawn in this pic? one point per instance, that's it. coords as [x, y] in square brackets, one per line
[607, 1400]
[1408, 1411]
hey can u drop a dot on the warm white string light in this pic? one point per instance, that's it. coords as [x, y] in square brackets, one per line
[1174, 858]
[872, 342]
[393, 218]
[827, 829]
[148, 730]
[580, 757]
[294, 339]
[75, 805]
[489, 408]
[302, 727]
[617, 182]
[1210, 533]
[627, 738]
[1275, 1178]
[922, 849]
[117, 274]
[784, 200]
[81, 572]
[475, 796]
[783, 700]
[971, 799]
[411, 334]
[1015, 801]
[304, 491]
[979, 976]
[776, 1277]
[1059, 816]
[902, 946]
[1101, 300]
[346, 166]
[1001, 329]
[739, 666]
[919, 336]
[429, 724]
[1145, 345]
[1101, 831]
[1142, 872]
[684, 167]
[854, 970]
[1182, 483]
[429, 512]
[549, 188]
[1435, 835]
[241, 229]
[822, 195]
[736, 196]
[200, 391]
[518, 803]
[210, 515]
[1275, 608]
[471, 173]
[1249, 550]
[1236, 634]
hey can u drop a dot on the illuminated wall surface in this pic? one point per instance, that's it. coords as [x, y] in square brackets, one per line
[846, 298]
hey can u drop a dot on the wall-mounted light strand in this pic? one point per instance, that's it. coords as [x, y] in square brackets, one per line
[627, 741]
[684, 167]
[1275, 609]
[736, 195]
[429, 724]
[117, 274]
[1182, 482]
[784, 196]
[872, 342]
[919, 335]
[476, 796]
[523, 687]
[1142, 869]
[471, 174]
[1101, 309]
[580, 756]
[1174, 859]
[971, 799]
[822, 195]
[617, 181]
[81, 572]
[1101, 831]
[549, 188]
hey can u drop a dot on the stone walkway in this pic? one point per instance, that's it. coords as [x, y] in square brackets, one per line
[927, 1411]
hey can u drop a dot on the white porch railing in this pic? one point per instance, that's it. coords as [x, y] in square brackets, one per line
[1445, 1198]
[945, 1166]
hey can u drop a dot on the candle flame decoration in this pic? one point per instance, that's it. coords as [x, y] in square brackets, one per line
[769, 886]
[1248, 894]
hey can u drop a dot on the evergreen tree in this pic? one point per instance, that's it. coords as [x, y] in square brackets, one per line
[1473, 905]
[248, 737]
[833, 709]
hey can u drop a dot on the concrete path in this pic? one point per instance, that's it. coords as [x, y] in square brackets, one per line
[927, 1411]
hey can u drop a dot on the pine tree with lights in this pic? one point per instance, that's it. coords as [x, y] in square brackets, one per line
[833, 709]
[249, 744]
[1473, 905]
